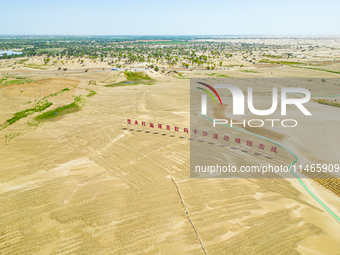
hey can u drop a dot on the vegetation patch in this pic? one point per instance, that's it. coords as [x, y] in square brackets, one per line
[92, 93]
[12, 79]
[248, 71]
[60, 111]
[133, 78]
[281, 62]
[219, 75]
[328, 102]
[9, 137]
[51, 50]
[59, 92]
[271, 56]
[180, 76]
[92, 82]
[39, 107]
[35, 66]
[21, 61]
[319, 69]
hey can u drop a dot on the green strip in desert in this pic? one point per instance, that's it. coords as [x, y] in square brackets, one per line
[328, 102]
[133, 78]
[271, 56]
[125, 83]
[59, 92]
[92, 93]
[318, 69]
[248, 71]
[39, 107]
[281, 62]
[12, 79]
[219, 75]
[60, 111]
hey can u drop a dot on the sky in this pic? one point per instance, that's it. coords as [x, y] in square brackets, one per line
[185, 17]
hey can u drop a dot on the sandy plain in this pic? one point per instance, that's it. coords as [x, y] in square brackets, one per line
[87, 184]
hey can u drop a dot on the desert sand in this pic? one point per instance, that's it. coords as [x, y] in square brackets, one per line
[86, 183]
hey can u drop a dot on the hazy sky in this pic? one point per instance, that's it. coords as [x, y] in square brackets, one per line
[149, 17]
